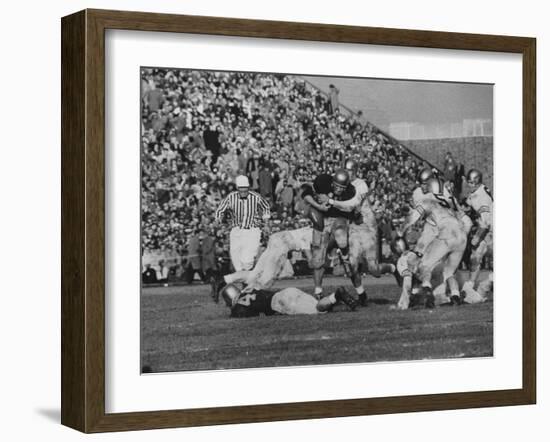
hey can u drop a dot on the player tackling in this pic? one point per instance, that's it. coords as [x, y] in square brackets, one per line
[270, 264]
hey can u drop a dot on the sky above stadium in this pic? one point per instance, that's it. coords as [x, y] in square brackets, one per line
[394, 101]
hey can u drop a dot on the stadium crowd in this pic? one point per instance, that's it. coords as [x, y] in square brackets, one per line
[201, 129]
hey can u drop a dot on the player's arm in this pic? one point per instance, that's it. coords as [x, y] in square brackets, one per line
[308, 198]
[346, 206]
[412, 218]
[484, 225]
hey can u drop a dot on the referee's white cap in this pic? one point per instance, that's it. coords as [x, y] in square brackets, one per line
[242, 181]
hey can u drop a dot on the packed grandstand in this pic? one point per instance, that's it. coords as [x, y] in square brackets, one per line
[201, 129]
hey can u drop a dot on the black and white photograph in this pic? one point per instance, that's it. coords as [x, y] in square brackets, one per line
[297, 220]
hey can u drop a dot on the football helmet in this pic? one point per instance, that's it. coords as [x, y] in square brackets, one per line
[424, 175]
[341, 178]
[230, 293]
[435, 186]
[474, 177]
[351, 165]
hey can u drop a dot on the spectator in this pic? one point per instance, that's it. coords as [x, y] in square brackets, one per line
[149, 276]
[162, 272]
[208, 257]
[265, 182]
[334, 101]
[204, 128]
[194, 250]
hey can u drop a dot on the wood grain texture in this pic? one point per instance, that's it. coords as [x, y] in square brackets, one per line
[83, 220]
[73, 127]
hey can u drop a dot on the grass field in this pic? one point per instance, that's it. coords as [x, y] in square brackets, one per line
[182, 329]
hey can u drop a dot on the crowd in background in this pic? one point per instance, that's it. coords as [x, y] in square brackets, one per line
[201, 129]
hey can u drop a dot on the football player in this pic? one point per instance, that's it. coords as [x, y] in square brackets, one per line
[485, 287]
[289, 301]
[363, 235]
[333, 198]
[271, 262]
[446, 197]
[361, 187]
[407, 267]
[448, 243]
[481, 202]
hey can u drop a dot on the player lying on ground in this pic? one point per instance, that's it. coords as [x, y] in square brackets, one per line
[481, 202]
[485, 286]
[446, 247]
[271, 262]
[289, 301]
[412, 295]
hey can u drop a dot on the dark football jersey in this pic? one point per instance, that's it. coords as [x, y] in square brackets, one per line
[323, 185]
[253, 304]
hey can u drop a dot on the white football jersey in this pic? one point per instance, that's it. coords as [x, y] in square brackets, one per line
[481, 201]
[287, 240]
[361, 187]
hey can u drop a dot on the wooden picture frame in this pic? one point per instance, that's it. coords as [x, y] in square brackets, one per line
[83, 220]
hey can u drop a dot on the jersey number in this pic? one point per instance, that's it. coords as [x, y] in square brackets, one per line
[442, 202]
[247, 299]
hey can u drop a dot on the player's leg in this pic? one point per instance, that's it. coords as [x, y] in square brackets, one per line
[434, 253]
[293, 301]
[235, 247]
[340, 232]
[340, 295]
[476, 259]
[449, 277]
[270, 264]
[429, 232]
[485, 286]
[241, 276]
[406, 289]
[356, 246]
[319, 245]
[250, 247]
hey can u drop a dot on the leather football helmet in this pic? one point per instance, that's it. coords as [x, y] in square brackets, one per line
[474, 177]
[341, 178]
[230, 293]
[424, 175]
[435, 186]
[351, 165]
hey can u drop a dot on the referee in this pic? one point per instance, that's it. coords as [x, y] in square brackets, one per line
[246, 209]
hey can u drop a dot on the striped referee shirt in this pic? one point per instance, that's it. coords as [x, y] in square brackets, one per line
[244, 212]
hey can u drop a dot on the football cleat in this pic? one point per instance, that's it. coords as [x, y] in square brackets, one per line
[429, 300]
[342, 295]
[457, 300]
[423, 299]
